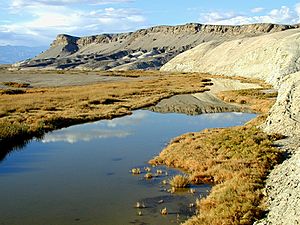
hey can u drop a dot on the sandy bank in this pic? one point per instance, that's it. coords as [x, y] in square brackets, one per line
[206, 102]
[38, 79]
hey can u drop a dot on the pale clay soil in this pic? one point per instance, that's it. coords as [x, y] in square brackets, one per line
[53, 79]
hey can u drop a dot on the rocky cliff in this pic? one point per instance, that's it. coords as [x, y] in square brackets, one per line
[144, 49]
[269, 57]
[274, 58]
[285, 114]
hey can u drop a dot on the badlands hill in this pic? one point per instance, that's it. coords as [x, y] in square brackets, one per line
[144, 49]
[274, 58]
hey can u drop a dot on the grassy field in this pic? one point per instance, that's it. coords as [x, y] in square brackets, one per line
[236, 160]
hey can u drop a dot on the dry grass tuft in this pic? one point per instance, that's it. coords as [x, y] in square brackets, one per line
[148, 176]
[179, 181]
[12, 130]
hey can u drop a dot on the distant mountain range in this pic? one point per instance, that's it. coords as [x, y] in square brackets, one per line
[12, 54]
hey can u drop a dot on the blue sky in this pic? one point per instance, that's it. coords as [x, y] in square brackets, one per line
[37, 22]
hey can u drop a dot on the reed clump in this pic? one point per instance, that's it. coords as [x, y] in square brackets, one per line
[9, 130]
[179, 181]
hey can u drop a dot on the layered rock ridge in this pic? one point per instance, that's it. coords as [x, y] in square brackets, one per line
[144, 49]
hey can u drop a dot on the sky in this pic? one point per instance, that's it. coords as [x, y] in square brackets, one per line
[38, 22]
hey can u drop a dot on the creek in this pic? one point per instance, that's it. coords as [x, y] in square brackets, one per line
[80, 174]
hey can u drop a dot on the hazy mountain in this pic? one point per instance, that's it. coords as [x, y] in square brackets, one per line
[11, 54]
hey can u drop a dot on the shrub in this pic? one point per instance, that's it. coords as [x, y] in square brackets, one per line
[179, 181]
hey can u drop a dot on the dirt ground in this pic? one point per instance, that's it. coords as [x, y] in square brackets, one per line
[38, 79]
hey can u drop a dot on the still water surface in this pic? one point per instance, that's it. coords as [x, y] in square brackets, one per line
[80, 175]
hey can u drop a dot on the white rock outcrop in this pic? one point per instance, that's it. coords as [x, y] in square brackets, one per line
[285, 114]
[274, 58]
[283, 188]
[269, 57]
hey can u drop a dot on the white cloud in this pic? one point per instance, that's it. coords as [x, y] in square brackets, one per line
[257, 10]
[215, 17]
[17, 4]
[282, 15]
[46, 19]
[297, 8]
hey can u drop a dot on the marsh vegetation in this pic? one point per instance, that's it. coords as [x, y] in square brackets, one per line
[179, 181]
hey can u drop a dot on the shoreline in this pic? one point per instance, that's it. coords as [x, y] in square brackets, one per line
[207, 102]
[47, 110]
[38, 110]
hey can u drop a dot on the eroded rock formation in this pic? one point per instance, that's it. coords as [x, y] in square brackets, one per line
[144, 49]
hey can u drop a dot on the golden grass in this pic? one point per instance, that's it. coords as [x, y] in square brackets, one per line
[42, 109]
[179, 181]
[255, 99]
[148, 176]
[237, 160]
[11, 131]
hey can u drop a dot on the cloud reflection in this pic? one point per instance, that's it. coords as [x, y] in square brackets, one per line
[76, 136]
[116, 128]
[222, 116]
[135, 118]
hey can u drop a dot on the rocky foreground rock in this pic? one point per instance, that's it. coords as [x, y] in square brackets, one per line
[274, 58]
[144, 49]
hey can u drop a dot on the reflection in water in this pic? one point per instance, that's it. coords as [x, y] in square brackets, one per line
[118, 128]
[77, 135]
[9, 146]
[135, 118]
[80, 175]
